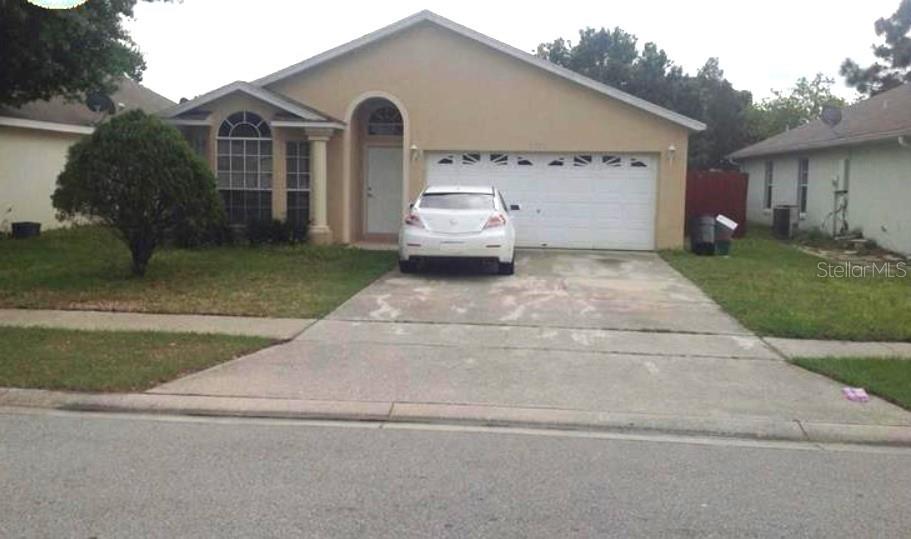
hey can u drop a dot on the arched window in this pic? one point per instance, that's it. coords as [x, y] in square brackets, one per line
[386, 120]
[244, 125]
[244, 167]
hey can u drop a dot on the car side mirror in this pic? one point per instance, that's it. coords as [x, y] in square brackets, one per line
[514, 207]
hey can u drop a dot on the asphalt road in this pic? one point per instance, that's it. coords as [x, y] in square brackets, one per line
[85, 475]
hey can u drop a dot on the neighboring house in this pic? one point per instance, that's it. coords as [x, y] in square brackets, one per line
[853, 174]
[346, 140]
[34, 140]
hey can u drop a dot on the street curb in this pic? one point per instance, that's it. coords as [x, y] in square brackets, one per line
[745, 427]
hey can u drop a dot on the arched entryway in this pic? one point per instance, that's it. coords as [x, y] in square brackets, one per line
[377, 130]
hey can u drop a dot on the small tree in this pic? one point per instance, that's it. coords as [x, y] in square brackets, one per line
[787, 109]
[139, 176]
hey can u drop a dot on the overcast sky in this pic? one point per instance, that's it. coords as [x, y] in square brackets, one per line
[198, 45]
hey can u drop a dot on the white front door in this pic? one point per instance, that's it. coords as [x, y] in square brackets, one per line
[574, 200]
[383, 190]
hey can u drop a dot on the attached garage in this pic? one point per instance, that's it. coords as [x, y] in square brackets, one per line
[567, 200]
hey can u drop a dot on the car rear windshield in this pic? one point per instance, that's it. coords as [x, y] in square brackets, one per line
[457, 201]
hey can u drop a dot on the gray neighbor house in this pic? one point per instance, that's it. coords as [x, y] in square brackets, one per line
[849, 172]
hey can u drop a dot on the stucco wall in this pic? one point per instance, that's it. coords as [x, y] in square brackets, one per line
[30, 161]
[878, 198]
[461, 95]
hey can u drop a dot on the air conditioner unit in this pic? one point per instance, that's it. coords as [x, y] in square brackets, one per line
[785, 219]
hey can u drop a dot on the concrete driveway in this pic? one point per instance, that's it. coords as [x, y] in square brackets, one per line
[554, 289]
[595, 331]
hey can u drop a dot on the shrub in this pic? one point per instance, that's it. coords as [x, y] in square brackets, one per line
[274, 231]
[139, 176]
[187, 235]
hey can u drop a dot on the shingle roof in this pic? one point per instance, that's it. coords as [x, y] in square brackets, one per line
[57, 110]
[880, 117]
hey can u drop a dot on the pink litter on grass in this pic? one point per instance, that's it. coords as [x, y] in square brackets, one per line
[855, 394]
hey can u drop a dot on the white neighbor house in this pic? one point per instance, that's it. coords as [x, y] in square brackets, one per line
[866, 155]
[34, 140]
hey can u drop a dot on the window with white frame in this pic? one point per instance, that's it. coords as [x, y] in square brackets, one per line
[767, 185]
[297, 166]
[803, 180]
[244, 168]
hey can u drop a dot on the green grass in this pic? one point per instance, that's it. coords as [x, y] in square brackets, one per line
[88, 268]
[886, 378]
[109, 360]
[774, 289]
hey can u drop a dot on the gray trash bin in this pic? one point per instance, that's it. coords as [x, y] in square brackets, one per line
[702, 235]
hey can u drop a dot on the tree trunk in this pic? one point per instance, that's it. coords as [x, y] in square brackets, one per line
[141, 249]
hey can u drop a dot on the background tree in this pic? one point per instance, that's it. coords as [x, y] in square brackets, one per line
[613, 57]
[139, 176]
[893, 65]
[787, 109]
[64, 52]
[713, 99]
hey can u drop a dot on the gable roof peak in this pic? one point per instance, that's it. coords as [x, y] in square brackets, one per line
[277, 100]
[429, 16]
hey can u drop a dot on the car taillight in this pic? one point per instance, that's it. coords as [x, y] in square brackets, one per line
[495, 220]
[413, 220]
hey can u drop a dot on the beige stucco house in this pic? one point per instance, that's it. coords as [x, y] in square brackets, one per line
[345, 141]
[34, 140]
[850, 173]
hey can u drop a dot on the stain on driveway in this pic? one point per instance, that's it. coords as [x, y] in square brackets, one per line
[577, 289]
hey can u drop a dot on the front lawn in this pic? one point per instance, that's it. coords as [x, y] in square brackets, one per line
[109, 360]
[886, 378]
[774, 289]
[88, 268]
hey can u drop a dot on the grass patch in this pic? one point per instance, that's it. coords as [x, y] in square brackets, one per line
[88, 268]
[886, 378]
[774, 289]
[110, 360]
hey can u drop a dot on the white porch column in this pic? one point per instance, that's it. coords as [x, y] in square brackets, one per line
[319, 224]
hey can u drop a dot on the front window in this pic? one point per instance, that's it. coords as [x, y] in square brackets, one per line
[244, 168]
[803, 177]
[457, 201]
[297, 162]
[767, 186]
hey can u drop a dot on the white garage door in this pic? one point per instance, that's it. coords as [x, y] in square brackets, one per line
[580, 201]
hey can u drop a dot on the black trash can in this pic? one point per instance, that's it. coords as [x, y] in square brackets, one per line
[702, 235]
[26, 229]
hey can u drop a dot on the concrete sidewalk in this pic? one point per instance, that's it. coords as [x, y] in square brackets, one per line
[795, 348]
[273, 328]
[759, 428]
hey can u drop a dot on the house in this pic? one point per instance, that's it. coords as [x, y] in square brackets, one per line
[34, 140]
[346, 140]
[850, 172]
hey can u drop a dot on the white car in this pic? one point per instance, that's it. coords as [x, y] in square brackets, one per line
[458, 222]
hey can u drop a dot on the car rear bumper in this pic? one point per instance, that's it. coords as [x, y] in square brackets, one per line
[415, 243]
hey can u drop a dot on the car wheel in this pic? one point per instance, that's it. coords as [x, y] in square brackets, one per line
[408, 266]
[507, 268]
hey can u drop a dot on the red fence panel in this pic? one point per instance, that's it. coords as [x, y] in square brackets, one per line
[717, 191]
